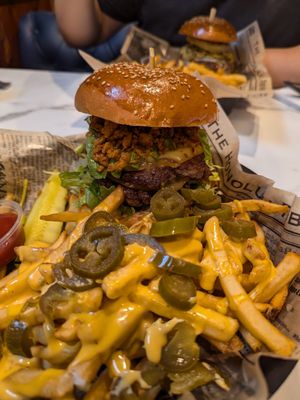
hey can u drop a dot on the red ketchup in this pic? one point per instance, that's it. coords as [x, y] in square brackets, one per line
[11, 235]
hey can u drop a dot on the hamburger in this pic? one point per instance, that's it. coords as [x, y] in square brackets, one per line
[143, 132]
[209, 43]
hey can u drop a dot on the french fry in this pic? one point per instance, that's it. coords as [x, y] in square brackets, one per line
[234, 256]
[187, 247]
[100, 388]
[192, 67]
[255, 344]
[30, 383]
[284, 273]
[210, 323]
[234, 345]
[260, 235]
[209, 272]
[240, 206]
[263, 307]
[258, 255]
[238, 299]
[84, 373]
[68, 331]
[111, 203]
[106, 330]
[219, 304]
[253, 320]
[66, 216]
[134, 343]
[16, 282]
[57, 352]
[120, 281]
[244, 280]
[227, 79]
[11, 309]
[277, 303]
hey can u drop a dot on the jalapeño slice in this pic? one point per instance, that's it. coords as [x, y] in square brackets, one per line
[239, 229]
[98, 252]
[18, 339]
[167, 204]
[97, 219]
[181, 352]
[223, 213]
[178, 290]
[174, 226]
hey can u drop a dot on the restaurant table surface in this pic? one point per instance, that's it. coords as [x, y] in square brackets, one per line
[268, 129]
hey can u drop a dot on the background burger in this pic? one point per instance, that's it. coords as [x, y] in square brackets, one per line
[209, 43]
[143, 132]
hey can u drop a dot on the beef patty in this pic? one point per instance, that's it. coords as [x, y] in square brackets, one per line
[138, 185]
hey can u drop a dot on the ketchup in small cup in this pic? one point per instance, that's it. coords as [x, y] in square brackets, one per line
[11, 230]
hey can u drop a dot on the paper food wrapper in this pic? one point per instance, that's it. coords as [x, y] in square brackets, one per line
[31, 154]
[249, 49]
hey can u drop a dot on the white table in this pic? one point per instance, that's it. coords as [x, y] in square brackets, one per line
[269, 129]
[41, 101]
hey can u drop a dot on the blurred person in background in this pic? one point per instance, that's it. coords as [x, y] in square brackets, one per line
[42, 46]
[100, 27]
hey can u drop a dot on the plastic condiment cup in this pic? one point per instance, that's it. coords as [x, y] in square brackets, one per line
[14, 235]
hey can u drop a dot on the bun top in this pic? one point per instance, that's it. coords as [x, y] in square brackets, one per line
[218, 30]
[134, 94]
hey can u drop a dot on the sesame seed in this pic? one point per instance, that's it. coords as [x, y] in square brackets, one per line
[172, 106]
[202, 91]
[187, 96]
[205, 105]
[103, 83]
[183, 97]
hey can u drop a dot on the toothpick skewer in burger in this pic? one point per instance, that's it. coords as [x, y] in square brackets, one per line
[144, 129]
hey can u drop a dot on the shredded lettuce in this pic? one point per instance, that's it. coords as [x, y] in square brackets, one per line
[76, 179]
[86, 179]
[214, 177]
[94, 194]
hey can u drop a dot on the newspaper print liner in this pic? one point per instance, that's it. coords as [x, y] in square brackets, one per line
[31, 154]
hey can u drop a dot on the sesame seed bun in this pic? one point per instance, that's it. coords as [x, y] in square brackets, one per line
[218, 30]
[134, 94]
